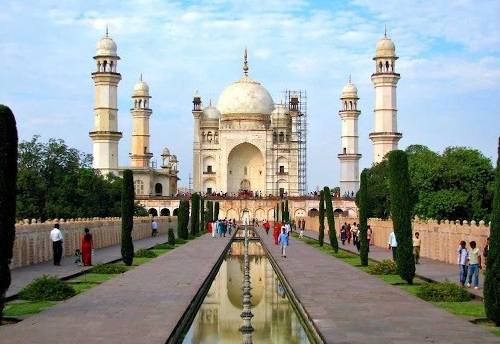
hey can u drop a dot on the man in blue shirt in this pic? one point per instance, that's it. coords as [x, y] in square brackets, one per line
[283, 241]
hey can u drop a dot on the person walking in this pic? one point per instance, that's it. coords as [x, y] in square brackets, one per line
[416, 247]
[393, 244]
[87, 248]
[154, 228]
[474, 264]
[485, 252]
[463, 255]
[57, 240]
[343, 235]
[283, 240]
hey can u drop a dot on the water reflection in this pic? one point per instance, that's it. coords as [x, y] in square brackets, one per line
[218, 320]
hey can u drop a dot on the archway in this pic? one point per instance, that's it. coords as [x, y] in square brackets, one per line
[165, 212]
[153, 211]
[246, 167]
[176, 212]
[158, 189]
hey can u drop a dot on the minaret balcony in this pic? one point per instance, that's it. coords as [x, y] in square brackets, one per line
[347, 156]
[280, 173]
[385, 135]
[209, 172]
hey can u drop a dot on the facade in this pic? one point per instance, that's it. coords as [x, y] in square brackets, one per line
[247, 145]
[349, 156]
[148, 179]
[385, 136]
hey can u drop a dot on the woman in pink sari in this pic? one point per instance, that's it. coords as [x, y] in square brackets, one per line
[87, 247]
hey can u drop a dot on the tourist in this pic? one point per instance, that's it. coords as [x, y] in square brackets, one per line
[369, 236]
[355, 233]
[416, 247]
[87, 247]
[343, 235]
[348, 234]
[276, 232]
[57, 240]
[213, 226]
[393, 244]
[154, 228]
[288, 228]
[78, 257]
[474, 264]
[267, 225]
[485, 252]
[463, 255]
[283, 240]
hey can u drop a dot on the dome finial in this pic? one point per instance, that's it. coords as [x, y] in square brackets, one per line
[141, 77]
[385, 30]
[107, 30]
[349, 77]
[210, 101]
[245, 62]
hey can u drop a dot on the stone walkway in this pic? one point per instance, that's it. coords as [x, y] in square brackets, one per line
[144, 305]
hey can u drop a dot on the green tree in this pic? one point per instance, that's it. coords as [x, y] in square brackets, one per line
[195, 213]
[321, 235]
[216, 210]
[171, 237]
[399, 185]
[332, 233]
[362, 197]
[8, 178]
[183, 220]
[492, 274]
[203, 223]
[127, 247]
[378, 190]
[210, 211]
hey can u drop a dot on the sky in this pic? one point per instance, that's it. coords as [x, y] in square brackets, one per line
[449, 62]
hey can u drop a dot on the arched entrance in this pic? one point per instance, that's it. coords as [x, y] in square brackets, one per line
[153, 211]
[245, 169]
[165, 212]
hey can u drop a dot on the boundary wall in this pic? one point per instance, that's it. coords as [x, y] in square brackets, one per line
[32, 244]
[439, 240]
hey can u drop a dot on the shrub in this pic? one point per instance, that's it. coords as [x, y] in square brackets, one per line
[180, 241]
[163, 246]
[145, 253]
[385, 267]
[171, 236]
[446, 291]
[47, 288]
[127, 211]
[109, 269]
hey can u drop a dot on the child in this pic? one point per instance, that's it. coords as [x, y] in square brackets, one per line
[78, 257]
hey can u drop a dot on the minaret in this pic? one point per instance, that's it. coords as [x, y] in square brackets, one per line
[385, 137]
[140, 154]
[349, 156]
[197, 156]
[105, 134]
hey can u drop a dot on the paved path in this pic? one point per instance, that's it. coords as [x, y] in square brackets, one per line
[429, 269]
[144, 305]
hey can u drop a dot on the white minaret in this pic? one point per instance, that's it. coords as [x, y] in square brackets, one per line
[385, 137]
[105, 134]
[140, 154]
[349, 156]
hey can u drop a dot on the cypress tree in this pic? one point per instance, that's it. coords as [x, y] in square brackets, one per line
[171, 237]
[332, 233]
[287, 211]
[8, 179]
[362, 197]
[216, 210]
[127, 247]
[203, 224]
[321, 235]
[183, 220]
[277, 213]
[283, 218]
[195, 213]
[492, 274]
[210, 211]
[399, 188]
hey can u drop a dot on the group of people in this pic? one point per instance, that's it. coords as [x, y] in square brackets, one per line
[83, 255]
[221, 227]
[470, 262]
[348, 233]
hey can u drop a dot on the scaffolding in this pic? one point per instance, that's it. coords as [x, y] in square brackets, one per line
[301, 127]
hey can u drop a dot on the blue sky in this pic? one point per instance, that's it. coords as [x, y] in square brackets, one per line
[449, 61]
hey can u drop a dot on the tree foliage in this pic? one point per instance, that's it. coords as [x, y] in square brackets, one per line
[455, 185]
[492, 274]
[332, 233]
[195, 213]
[183, 220]
[362, 197]
[56, 181]
[399, 186]
[216, 210]
[321, 235]
[128, 207]
[8, 177]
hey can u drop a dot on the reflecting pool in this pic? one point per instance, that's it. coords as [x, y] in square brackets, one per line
[218, 319]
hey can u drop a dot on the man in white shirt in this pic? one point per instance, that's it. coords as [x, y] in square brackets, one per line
[154, 228]
[393, 244]
[57, 240]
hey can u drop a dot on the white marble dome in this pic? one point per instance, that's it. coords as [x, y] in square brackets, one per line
[210, 112]
[350, 90]
[106, 47]
[245, 96]
[141, 89]
[385, 48]
[280, 111]
[165, 152]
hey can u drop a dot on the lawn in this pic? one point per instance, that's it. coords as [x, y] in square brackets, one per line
[20, 308]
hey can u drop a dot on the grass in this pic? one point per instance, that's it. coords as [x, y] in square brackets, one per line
[21, 308]
[81, 287]
[92, 278]
[472, 309]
